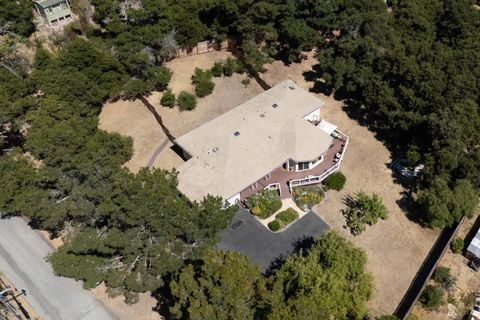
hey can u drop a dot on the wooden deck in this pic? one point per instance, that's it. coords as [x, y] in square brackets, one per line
[282, 176]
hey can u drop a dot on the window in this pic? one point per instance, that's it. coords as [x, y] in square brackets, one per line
[303, 166]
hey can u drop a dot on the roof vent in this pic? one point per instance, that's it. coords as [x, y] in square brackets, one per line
[236, 133]
[274, 105]
[291, 87]
[262, 115]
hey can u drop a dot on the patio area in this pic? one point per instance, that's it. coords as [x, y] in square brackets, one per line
[283, 176]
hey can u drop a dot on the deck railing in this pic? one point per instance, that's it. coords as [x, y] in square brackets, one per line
[317, 179]
[312, 179]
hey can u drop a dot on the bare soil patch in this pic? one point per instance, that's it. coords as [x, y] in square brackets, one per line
[396, 247]
[467, 281]
[142, 310]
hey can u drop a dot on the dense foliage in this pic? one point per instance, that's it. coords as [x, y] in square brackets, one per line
[412, 75]
[457, 245]
[16, 17]
[327, 281]
[307, 197]
[432, 297]
[186, 101]
[128, 230]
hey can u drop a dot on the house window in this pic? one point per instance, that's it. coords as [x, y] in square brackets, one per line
[303, 166]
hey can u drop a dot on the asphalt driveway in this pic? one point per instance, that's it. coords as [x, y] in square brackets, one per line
[247, 236]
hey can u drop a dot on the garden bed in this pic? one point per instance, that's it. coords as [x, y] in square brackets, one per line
[283, 219]
[307, 197]
[264, 204]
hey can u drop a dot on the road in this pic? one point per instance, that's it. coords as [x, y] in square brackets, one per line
[22, 261]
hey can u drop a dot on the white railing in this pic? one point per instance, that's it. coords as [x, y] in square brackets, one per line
[274, 186]
[312, 179]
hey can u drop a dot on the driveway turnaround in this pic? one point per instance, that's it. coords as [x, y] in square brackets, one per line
[249, 237]
[22, 260]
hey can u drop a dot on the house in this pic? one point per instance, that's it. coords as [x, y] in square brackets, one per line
[53, 11]
[276, 140]
[473, 249]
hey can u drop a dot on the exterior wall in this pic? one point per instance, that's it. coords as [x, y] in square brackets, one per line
[202, 47]
[55, 12]
[314, 116]
[234, 200]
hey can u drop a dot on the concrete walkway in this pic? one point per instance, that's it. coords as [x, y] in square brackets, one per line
[22, 260]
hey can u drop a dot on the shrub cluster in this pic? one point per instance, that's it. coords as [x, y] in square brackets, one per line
[283, 219]
[168, 99]
[443, 277]
[274, 225]
[203, 82]
[335, 181]
[457, 245]
[307, 197]
[186, 101]
[432, 297]
[263, 204]
[226, 68]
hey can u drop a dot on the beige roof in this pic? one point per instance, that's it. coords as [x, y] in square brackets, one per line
[224, 164]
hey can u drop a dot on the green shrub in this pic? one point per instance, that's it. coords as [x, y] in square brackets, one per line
[364, 210]
[168, 99]
[204, 88]
[263, 204]
[432, 297]
[203, 82]
[217, 69]
[307, 196]
[335, 181]
[443, 277]
[186, 101]
[287, 216]
[457, 245]
[230, 67]
[274, 225]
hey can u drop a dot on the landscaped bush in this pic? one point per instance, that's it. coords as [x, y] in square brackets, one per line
[364, 210]
[335, 181]
[168, 99]
[263, 204]
[432, 297]
[203, 82]
[443, 277]
[274, 225]
[217, 69]
[230, 67]
[186, 101]
[307, 197]
[287, 216]
[457, 245]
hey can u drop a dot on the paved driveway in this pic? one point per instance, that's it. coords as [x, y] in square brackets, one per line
[247, 236]
[22, 260]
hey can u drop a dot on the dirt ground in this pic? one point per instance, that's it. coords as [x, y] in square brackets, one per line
[131, 118]
[467, 281]
[142, 310]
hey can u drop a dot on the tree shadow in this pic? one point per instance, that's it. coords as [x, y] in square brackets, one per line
[411, 208]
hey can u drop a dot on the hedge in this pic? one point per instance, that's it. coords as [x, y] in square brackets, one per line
[287, 216]
[274, 225]
[335, 181]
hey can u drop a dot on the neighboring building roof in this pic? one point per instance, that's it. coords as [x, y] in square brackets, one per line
[234, 150]
[48, 3]
[474, 246]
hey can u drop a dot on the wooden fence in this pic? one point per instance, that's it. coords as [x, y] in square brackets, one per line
[203, 47]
